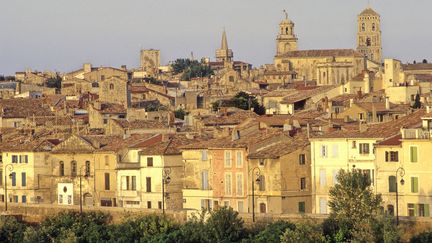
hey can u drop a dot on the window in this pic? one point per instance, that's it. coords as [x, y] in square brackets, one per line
[13, 178]
[227, 158]
[23, 179]
[61, 168]
[303, 183]
[111, 86]
[87, 168]
[149, 204]
[205, 204]
[413, 154]
[323, 179]
[391, 156]
[302, 159]
[106, 160]
[354, 144]
[414, 184]
[263, 208]
[24, 199]
[323, 205]
[239, 159]
[364, 148]
[368, 41]
[1, 178]
[423, 210]
[23, 159]
[261, 162]
[73, 168]
[239, 188]
[301, 207]
[159, 204]
[228, 184]
[204, 155]
[14, 158]
[373, 27]
[240, 207]
[390, 209]
[148, 184]
[15, 198]
[204, 180]
[411, 210]
[102, 77]
[107, 181]
[392, 183]
[324, 151]
[1, 158]
[149, 161]
[261, 184]
[363, 28]
[60, 199]
[335, 151]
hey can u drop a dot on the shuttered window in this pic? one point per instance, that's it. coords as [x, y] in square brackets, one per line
[413, 154]
[414, 184]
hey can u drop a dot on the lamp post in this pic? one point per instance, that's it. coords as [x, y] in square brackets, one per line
[401, 172]
[80, 188]
[166, 179]
[10, 167]
[257, 172]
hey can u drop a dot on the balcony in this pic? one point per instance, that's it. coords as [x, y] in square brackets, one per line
[417, 133]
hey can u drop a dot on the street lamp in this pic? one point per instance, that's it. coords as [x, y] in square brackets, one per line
[401, 172]
[166, 179]
[257, 172]
[10, 167]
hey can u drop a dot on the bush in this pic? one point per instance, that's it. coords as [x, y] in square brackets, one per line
[224, 225]
[424, 237]
[11, 230]
[273, 231]
[304, 232]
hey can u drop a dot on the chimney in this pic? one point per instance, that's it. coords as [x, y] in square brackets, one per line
[351, 102]
[387, 103]
[87, 67]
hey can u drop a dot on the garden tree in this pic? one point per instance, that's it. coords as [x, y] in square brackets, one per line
[417, 103]
[224, 225]
[11, 230]
[54, 82]
[354, 205]
[307, 231]
[424, 61]
[190, 69]
[273, 232]
[242, 100]
[425, 237]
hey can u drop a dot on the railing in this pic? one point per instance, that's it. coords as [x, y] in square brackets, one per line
[416, 134]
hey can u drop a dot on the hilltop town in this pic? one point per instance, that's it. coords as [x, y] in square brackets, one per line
[214, 132]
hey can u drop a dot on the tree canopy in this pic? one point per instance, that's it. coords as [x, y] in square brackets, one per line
[190, 69]
[241, 100]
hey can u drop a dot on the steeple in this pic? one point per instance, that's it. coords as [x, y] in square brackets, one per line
[224, 43]
[286, 40]
[224, 54]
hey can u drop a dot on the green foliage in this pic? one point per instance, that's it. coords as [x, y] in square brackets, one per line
[304, 232]
[7, 78]
[54, 82]
[273, 231]
[424, 237]
[224, 225]
[417, 103]
[180, 113]
[190, 69]
[11, 230]
[241, 100]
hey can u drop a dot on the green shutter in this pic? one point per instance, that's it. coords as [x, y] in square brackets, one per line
[413, 154]
[414, 184]
[426, 210]
[416, 210]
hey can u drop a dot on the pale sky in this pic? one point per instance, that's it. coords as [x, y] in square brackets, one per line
[60, 35]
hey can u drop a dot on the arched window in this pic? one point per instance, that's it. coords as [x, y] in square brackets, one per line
[111, 86]
[368, 41]
[87, 168]
[373, 27]
[261, 183]
[61, 168]
[286, 30]
[392, 183]
[73, 168]
[363, 28]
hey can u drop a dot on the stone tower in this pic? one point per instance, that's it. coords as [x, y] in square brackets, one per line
[369, 35]
[286, 40]
[224, 54]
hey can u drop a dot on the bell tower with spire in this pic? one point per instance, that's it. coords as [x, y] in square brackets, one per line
[286, 40]
[369, 35]
[224, 54]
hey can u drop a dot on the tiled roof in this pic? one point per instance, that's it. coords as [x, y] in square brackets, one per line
[22, 108]
[305, 94]
[279, 149]
[417, 66]
[140, 124]
[381, 130]
[393, 141]
[274, 120]
[323, 53]
[108, 108]
[231, 117]
[369, 11]
[170, 146]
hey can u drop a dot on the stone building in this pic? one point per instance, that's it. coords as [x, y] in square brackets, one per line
[114, 90]
[150, 61]
[369, 35]
[224, 54]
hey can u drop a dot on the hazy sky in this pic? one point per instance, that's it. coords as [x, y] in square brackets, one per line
[62, 34]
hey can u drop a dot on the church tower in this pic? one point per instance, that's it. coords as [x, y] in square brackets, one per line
[286, 40]
[224, 54]
[369, 35]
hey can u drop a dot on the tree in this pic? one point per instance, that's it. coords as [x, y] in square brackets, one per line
[424, 61]
[242, 100]
[417, 103]
[190, 69]
[11, 230]
[54, 82]
[273, 232]
[304, 232]
[424, 237]
[354, 205]
[224, 225]
[180, 113]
